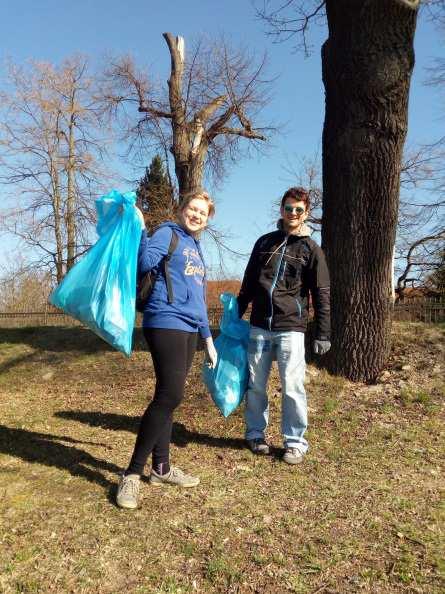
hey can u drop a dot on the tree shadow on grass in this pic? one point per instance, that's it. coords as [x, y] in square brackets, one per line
[181, 436]
[43, 448]
[63, 339]
[54, 344]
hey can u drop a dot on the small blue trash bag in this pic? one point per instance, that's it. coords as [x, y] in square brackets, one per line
[228, 382]
[100, 289]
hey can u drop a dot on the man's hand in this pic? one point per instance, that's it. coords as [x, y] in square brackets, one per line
[212, 355]
[321, 346]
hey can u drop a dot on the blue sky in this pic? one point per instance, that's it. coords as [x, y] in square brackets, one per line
[52, 30]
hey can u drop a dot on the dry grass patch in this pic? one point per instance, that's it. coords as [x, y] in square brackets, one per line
[361, 514]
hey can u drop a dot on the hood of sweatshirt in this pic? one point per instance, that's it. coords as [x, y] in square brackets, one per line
[178, 229]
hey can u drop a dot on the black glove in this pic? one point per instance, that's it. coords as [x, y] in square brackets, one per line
[321, 346]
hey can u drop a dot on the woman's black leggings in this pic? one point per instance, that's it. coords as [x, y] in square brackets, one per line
[172, 354]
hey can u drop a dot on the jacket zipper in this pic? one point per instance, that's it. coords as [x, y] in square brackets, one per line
[274, 282]
[298, 306]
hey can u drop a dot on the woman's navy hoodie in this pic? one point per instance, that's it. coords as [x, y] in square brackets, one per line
[187, 272]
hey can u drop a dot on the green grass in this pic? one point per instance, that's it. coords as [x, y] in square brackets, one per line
[363, 513]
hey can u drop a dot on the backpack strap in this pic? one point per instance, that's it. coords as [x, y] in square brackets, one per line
[165, 262]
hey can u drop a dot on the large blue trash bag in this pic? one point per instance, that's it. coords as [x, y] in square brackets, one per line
[100, 290]
[228, 382]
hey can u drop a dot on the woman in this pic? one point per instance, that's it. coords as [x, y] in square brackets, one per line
[171, 329]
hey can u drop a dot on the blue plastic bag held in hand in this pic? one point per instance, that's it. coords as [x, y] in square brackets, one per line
[228, 382]
[100, 289]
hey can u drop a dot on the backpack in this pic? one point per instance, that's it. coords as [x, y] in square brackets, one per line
[144, 286]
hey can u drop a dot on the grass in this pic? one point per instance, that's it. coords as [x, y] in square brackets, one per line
[363, 513]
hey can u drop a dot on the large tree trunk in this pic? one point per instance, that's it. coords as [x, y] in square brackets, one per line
[189, 148]
[181, 143]
[367, 64]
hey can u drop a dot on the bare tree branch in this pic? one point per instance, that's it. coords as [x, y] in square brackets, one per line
[415, 258]
[211, 104]
[291, 19]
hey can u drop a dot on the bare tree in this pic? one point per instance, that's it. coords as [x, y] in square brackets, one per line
[51, 151]
[436, 280]
[209, 107]
[421, 232]
[421, 225]
[423, 257]
[436, 72]
[22, 288]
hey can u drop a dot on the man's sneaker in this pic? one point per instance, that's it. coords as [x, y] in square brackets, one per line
[174, 477]
[128, 491]
[258, 446]
[292, 456]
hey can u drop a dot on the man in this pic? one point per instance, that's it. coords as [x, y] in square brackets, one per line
[284, 267]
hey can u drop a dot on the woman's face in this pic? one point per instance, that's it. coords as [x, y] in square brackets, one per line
[195, 215]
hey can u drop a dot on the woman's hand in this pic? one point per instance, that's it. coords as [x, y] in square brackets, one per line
[212, 355]
[141, 217]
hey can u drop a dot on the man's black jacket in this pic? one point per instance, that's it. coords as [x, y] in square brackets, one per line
[281, 272]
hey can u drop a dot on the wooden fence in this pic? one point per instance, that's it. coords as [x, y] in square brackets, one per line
[428, 310]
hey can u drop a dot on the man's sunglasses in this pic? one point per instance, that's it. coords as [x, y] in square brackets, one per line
[294, 209]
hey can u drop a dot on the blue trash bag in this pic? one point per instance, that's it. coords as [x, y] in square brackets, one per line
[227, 383]
[100, 289]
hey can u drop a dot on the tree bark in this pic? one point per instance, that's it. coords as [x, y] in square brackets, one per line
[71, 199]
[367, 64]
[57, 211]
[189, 147]
[180, 145]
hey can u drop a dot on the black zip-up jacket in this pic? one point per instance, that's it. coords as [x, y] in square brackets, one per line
[281, 272]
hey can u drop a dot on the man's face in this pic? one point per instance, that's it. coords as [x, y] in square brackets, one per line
[294, 213]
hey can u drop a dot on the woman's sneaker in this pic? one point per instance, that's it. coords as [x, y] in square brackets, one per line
[293, 456]
[128, 491]
[174, 477]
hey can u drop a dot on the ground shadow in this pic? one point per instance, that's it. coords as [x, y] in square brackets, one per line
[46, 449]
[181, 436]
[66, 339]
[62, 339]
[54, 345]
[99, 419]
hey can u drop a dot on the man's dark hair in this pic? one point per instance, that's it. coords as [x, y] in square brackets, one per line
[298, 193]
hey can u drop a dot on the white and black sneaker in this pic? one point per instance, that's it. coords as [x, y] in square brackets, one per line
[174, 477]
[127, 495]
[293, 456]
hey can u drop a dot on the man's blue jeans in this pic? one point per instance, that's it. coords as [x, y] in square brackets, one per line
[287, 348]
